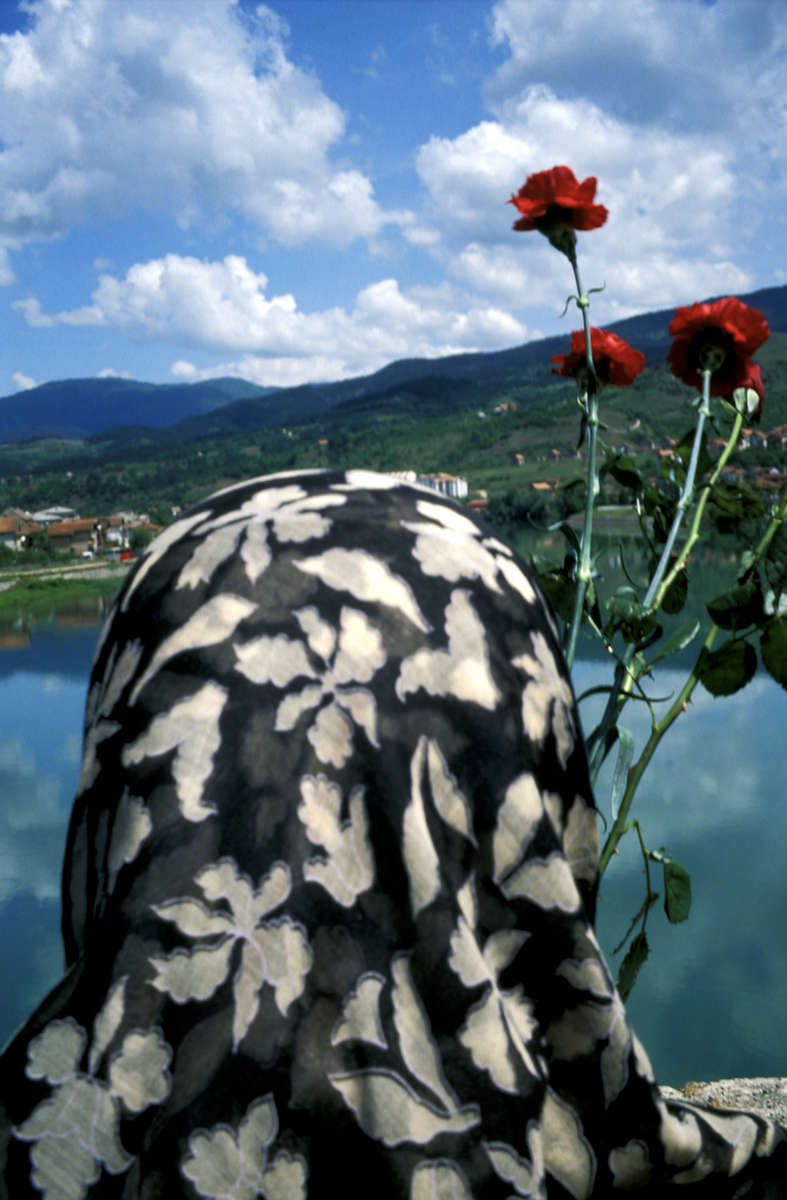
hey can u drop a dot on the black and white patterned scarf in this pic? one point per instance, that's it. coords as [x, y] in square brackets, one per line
[330, 884]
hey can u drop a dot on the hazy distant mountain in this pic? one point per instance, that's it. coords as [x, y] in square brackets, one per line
[187, 411]
[80, 407]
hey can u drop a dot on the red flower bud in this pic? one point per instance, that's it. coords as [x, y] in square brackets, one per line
[749, 397]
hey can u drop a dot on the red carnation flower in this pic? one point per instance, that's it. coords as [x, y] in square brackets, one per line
[749, 396]
[727, 330]
[550, 199]
[615, 361]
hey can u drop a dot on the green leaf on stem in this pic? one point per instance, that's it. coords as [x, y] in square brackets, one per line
[773, 648]
[677, 891]
[737, 608]
[726, 670]
[774, 563]
[683, 450]
[635, 959]
[571, 536]
[660, 503]
[677, 641]
[674, 598]
[737, 500]
[622, 764]
[623, 470]
[628, 615]
[560, 592]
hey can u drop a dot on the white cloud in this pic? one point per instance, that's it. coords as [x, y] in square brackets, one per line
[31, 825]
[686, 64]
[664, 121]
[222, 305]
[666, 193]
[190, 106]
[23, 382]
[111, 373]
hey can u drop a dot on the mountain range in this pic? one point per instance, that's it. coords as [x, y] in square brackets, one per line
[122, 410]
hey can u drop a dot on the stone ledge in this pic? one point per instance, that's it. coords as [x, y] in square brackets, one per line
[768, 1097]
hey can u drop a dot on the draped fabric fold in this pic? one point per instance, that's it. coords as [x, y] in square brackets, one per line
[330, 883]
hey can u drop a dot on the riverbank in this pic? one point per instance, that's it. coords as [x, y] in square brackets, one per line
[34, 593]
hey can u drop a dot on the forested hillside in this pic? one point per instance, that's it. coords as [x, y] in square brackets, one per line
[467, 415]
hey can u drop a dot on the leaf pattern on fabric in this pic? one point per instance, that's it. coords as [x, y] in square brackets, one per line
[429, 773]
[366, 578]
[547, 700]
[119, 672]
[274, 952]
[289, 512]
[630, 1165]
[448, 544]
[227, 1165]
[385, 1103]
[347, 870]
[517, 820]
[191, 729]
[567, 1152]
[360, 1019]
[439, 1180]
[463, 670]
[526, 1178]
[417, 1044]
[157, 550]
[577, 1032]
[547, 882]
[132, 827]
[581, 841]
[210, 552]
[213, 622]
[387, 1108]
[351, 655]
[94, 735]
[499, 1026]
[76, 1131]
[680, 1134]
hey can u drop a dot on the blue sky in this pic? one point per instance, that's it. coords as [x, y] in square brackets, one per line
[309, 189]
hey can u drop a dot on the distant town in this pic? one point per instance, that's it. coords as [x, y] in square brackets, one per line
[120, 535]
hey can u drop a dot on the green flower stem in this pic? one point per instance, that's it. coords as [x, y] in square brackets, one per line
[694, 531]
[584, 571]
[658, 729]
[686, 496]
[590, 408]
[625, 678]
[779, 516]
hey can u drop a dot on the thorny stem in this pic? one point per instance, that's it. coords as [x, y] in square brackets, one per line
[694, 531]
[686, 496]
[658, 729]
[624, 676]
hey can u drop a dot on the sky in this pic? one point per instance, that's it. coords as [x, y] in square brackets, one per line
[310, 189]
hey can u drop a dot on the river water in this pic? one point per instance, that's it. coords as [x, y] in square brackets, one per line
[709, 1003]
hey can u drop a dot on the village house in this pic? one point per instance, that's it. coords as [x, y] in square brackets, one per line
[448, 485]
[14, 531]
[75, 537]
[56, 513]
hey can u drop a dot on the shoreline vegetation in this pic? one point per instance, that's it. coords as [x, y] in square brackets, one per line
[36, 594]
[33, 593]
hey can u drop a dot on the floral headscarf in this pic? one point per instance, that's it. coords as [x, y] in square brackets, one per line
[330, 883]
